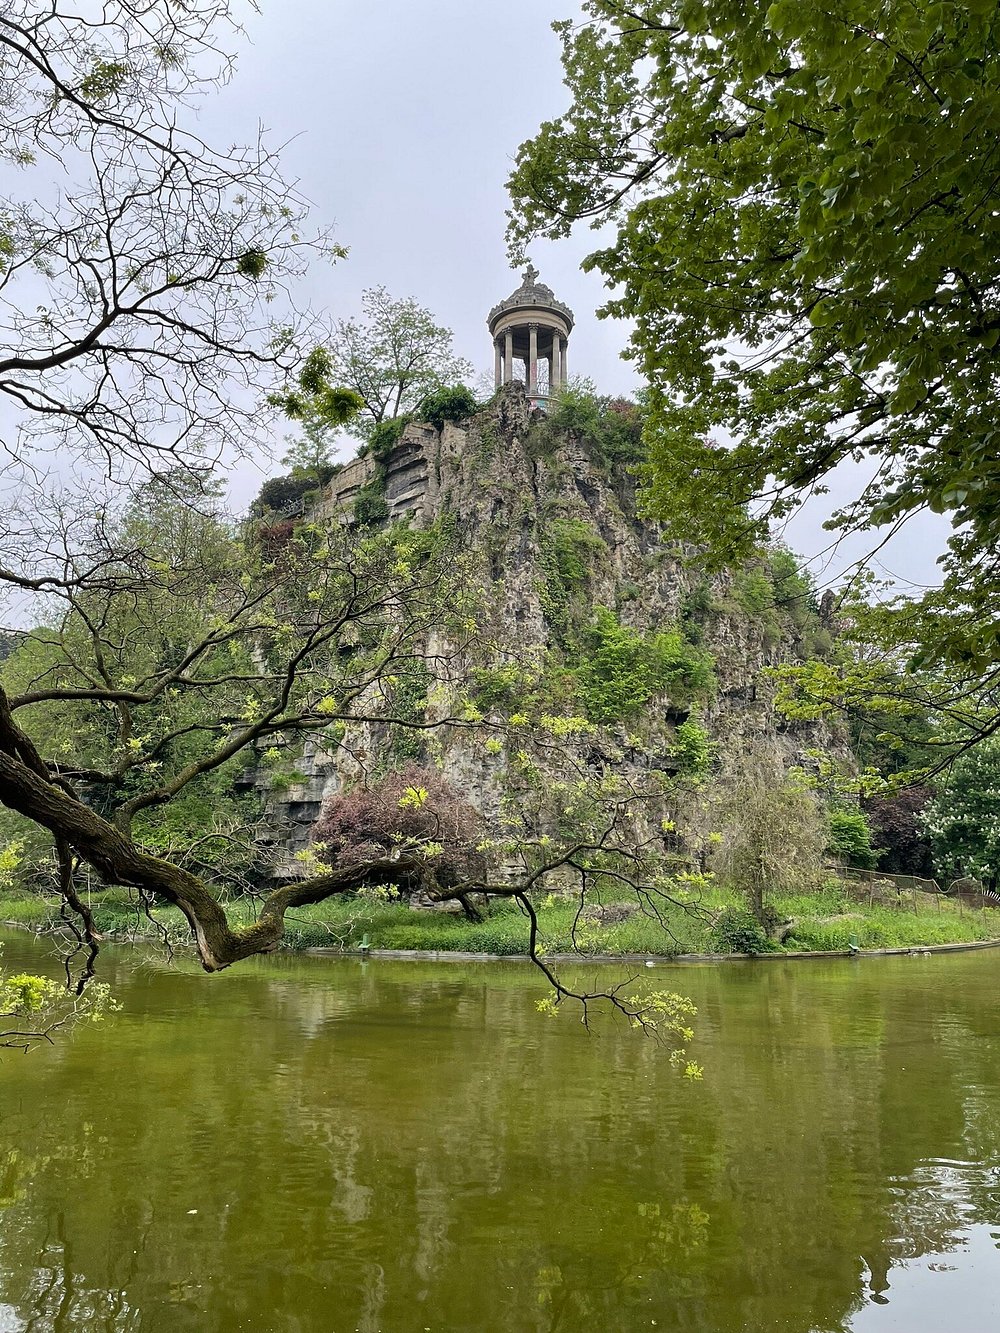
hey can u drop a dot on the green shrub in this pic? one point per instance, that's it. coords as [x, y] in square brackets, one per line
[574, 545]
[611, 428]
[568, 549]
[454, 403]
[385, 436]
[736, 931]
[282, 493]
[793, 587]
[754, 592]
[696, 607]
[624, 670]
[693, 749]
[850, 837]
[370, 505]
[496, 687]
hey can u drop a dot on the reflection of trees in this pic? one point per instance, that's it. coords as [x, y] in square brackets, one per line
[365, 1142]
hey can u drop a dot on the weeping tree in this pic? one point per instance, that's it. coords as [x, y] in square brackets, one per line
[773, 835]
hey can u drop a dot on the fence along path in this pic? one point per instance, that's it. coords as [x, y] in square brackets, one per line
[966, 891]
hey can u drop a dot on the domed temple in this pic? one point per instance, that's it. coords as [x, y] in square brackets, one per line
[531, 326]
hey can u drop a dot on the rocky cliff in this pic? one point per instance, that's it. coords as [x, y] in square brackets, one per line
[563, 558]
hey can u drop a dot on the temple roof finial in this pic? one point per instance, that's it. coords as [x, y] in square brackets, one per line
[530, 274]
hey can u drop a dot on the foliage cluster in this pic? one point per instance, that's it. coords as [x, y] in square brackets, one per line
[850, 837]
[410, 809]
[283, 494]
[778, 595]
[898, 832]
[610, 428]
[384, 437]
[33, 1008]
[448, 403]
[622, 670]
[371, 508]
[962, 818]
[569, 550]
[738, 931]
[693, 749]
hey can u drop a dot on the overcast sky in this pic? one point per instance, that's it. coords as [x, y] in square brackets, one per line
[400, 123]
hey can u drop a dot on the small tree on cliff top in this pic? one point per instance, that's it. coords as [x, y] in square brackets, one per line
[393, 357]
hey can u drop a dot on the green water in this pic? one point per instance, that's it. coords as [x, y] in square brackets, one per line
[314, 1146]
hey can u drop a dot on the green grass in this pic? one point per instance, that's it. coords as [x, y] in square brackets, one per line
[889, 928]
[827, 920]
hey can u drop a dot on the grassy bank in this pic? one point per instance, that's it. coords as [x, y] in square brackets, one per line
[828, 920]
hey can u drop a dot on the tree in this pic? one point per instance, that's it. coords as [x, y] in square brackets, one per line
[414, 813]
[806, 242]
[961, 818]
[393, 358]
[850, 836]
[897, 831]
[772, 835]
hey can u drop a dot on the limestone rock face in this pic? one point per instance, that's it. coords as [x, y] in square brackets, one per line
[509, 480]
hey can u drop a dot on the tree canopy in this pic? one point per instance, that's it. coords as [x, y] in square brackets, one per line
[393, 358]
[807, 240]
[136, 316]
[961, 818]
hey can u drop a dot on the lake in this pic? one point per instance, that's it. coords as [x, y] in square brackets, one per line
[315, 1145]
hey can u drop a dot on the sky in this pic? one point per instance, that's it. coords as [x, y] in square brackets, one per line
[399, 123]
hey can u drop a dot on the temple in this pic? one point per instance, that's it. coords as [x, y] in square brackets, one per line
[531, 327]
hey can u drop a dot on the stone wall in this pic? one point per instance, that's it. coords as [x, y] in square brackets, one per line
[407, 479]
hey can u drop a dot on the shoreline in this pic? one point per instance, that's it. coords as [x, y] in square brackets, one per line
[647, 960]
[561, 958]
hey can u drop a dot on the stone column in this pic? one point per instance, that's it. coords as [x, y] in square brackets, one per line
[564, 360]
[508, 356]
[532, 360]
[497, 364]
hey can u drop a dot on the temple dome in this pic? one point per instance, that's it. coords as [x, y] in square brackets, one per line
[531, 295]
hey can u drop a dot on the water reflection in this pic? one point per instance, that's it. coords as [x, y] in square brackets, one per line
[307, 1145]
